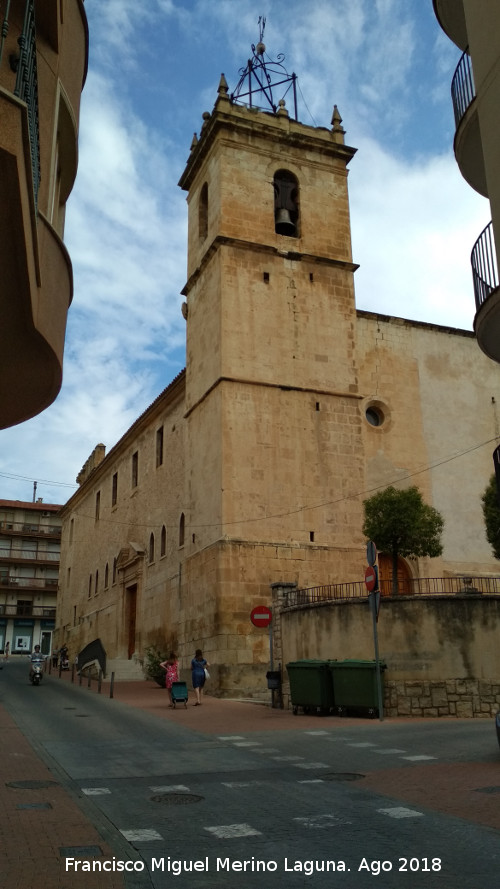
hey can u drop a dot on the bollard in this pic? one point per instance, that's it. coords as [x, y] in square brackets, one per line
[111, 685]
[99, 682]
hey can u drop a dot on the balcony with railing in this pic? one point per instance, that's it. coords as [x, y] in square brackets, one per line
[13, 583]
[25, 555]
[467, 143]
[27, 609]
[415, 586]
[36, 277]
[487, 293]
[28, 529]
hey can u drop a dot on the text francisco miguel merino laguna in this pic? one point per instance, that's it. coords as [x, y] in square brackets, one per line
[176, 866]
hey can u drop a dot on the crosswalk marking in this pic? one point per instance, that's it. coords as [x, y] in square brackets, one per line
[227, 831]
[311, 765]
[141, 836]
[170, 788]
[95, 791]
[400, 812]
[418, 758]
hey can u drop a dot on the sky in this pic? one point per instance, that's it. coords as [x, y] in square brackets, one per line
[154, 68]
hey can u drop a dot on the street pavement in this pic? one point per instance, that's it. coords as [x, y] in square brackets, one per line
[236, 794]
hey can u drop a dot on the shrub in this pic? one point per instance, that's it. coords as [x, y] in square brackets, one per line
[152, 660]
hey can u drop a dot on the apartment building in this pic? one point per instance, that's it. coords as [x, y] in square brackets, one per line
[30, 544]
[43, 64]
[474, 26]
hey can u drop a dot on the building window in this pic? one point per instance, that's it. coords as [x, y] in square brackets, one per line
[151, 548]
[114, 489]
[106, 576]
[159, 446]
[203, 213]
[286, 204]
[90, 586]
[163, 541]
[97, 506]
[375, 415]
[71, 530]
[115, 562]
[181, 530]
[96, 588]
[135, 469]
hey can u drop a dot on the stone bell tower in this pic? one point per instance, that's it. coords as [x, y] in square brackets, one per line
[274, 450]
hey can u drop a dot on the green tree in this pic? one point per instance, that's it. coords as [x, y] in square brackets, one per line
[401, 524]
[491, 513]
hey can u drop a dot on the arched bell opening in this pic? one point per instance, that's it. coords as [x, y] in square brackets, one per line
[286, 204]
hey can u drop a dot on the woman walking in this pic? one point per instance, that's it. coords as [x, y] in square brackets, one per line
[198, 665]
[171, 666]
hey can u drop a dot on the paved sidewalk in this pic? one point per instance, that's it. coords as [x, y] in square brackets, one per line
[38, 820]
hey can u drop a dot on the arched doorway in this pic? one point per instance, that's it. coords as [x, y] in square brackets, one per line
[405, 586]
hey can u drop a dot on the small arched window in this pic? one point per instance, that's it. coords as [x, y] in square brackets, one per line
[181, 530]
[286, 204]
[152, 548]
[203, 213]
[106, 576]
[163, 541]
[115, 568]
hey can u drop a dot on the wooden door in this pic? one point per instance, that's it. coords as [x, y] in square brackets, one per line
[131, 619]
[405, 586]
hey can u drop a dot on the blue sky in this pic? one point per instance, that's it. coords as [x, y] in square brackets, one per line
[154, 69]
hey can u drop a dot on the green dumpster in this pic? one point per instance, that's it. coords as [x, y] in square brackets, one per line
[311, 686]
[355, 685]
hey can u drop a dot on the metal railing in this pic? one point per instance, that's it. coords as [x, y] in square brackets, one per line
[37, 583]
[27, 529]
[15, 555]
[484, 266]
[463, 90]
[34, 611]
[26, 84]
[416, 586]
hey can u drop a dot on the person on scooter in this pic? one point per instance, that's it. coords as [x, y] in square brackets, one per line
[36, 657]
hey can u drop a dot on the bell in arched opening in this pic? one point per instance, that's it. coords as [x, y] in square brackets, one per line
[286, 213]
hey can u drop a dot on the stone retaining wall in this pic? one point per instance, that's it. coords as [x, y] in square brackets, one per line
[462, 698]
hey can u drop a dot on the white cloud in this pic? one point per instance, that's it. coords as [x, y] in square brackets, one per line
[154, 69]
[413, 227]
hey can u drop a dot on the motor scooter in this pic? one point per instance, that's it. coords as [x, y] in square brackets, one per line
[36, 674]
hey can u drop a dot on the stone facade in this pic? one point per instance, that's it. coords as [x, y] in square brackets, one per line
[252, 465]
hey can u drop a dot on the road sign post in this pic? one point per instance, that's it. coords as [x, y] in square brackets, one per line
[372, 585]
[262, 616]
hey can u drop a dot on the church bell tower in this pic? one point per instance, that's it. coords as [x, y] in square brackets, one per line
[274, 428]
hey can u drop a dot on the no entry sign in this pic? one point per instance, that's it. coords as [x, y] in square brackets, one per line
[261, 616]
[371, 578]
